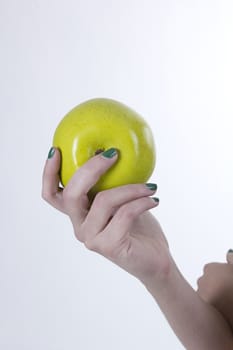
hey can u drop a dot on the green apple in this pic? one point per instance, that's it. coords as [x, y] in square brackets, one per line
[97, 125]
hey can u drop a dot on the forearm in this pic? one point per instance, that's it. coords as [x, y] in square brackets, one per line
[197, 324]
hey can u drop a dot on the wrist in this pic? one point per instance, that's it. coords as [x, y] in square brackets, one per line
[164, 278]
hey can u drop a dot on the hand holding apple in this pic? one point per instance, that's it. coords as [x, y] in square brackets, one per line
[100, 124]
[116, 224]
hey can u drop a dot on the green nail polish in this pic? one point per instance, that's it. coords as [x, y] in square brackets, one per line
[109, 153]
[152, 187]
[230, 251]
[155, 199]
[51, 152]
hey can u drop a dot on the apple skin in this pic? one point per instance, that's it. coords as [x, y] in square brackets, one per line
[97, 125]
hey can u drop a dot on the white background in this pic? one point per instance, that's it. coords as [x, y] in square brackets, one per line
[169, 60]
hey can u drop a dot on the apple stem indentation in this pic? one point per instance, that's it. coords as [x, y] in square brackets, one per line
[98, 151]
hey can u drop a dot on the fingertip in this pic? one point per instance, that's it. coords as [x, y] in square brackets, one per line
[156, 200]
[51, 178]
[52, 164]
[110, 153]
[51, 152]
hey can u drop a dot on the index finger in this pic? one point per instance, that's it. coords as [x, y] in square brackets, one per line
[75, 194]
[88, 174]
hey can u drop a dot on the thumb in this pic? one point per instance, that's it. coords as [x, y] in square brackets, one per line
[230, 256]
[51, 179]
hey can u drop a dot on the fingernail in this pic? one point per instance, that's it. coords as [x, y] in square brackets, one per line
[51, 152]
[152, 187]
[230, 251]
[109, 153]
[155, 199]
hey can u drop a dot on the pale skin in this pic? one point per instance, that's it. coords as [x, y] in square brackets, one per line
[118, 225]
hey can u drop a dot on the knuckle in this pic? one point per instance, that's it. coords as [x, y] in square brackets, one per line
[104, 248]
[126, 212]
[100, 198]
[46, 196]
[79, 234]
[108, 251]
[91, 245]
[68, 194]
[112, 252]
